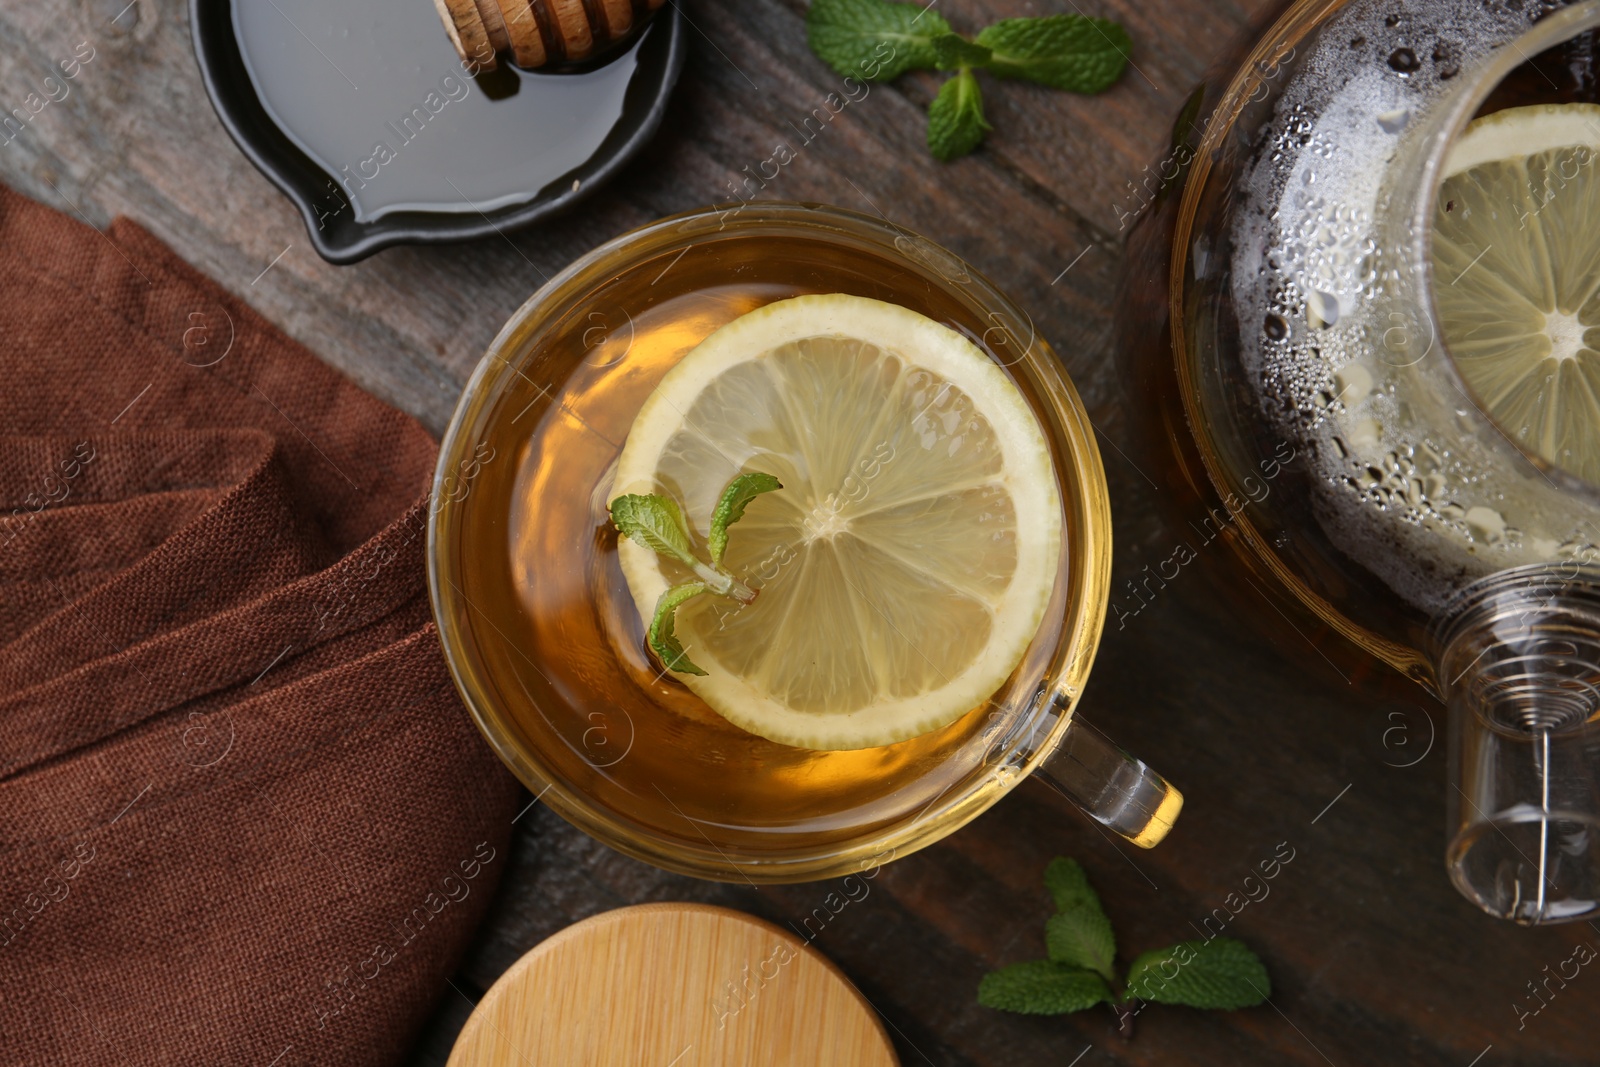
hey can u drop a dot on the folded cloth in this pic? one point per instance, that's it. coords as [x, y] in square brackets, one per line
[244, 818]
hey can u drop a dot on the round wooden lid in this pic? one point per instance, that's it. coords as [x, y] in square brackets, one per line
[675, 985]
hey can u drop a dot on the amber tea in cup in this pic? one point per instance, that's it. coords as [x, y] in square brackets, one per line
[548, 646]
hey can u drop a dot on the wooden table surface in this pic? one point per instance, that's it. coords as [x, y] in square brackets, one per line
[1374, 958]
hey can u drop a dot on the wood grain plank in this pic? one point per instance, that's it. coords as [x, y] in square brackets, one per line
[1374, 959]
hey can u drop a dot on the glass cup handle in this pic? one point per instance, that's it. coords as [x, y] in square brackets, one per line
[1111, 786]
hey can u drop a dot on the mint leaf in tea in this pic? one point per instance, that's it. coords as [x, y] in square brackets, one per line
[663, 636]
[654, 521]
[657, 523]
[730, 508]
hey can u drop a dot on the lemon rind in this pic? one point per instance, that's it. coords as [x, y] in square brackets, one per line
[1519, 132]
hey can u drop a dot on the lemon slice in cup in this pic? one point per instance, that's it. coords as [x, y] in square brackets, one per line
[905, 565]
[1516, 254]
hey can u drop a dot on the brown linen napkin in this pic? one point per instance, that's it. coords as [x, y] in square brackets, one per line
[243, 817]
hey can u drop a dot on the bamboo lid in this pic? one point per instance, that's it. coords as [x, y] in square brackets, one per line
[675, 985]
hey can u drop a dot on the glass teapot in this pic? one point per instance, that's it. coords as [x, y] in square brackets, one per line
[1283, 264]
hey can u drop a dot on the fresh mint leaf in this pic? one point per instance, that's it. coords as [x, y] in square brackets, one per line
[951, 51]
[872, 39]
[1042, 987]
[1069, 886]
[657, 523]
[663, 636]
[1221, 973]
[730, 509]
[654, 522]
[1082, 937]
[955, 118]
[1072, 52]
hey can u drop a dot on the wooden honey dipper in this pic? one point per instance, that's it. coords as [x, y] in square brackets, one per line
[538, 32]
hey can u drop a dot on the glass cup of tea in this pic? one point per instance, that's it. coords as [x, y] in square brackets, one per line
[549, 644]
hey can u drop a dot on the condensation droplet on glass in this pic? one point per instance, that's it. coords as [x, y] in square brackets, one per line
[1394, 121]
[1404, 60]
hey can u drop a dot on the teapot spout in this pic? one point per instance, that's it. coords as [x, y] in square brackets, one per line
[1519, 662]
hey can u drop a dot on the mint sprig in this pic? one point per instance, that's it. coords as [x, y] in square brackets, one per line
[877, 40]
[1220, 973]
[656, 522]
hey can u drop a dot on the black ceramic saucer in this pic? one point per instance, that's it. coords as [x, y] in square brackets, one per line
[405, 168]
